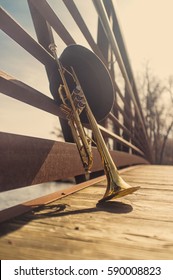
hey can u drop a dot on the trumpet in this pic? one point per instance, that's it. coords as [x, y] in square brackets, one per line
[76, 106]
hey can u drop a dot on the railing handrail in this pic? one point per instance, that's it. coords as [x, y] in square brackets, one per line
[122, 117]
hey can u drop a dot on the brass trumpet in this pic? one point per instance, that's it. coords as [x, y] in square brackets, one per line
[72, 89]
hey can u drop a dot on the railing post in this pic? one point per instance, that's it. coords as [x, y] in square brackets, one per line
[126, 111]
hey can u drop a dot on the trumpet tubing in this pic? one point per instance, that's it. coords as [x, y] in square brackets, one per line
[116, 186]
[73, 104]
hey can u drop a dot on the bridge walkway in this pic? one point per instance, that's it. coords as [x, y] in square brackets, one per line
[138, 226]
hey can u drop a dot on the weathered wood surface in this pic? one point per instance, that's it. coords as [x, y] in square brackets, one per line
[138, 226]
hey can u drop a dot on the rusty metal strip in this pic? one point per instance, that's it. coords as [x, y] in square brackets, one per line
[46, 11]
[25, 207]
[42, 27]
[128, 119]
[120, 139]
[125, 116]
[83, 27]
[45, 37]
[108, 30]
[22, 92]
[85, 31]
[26, 161]
[18, 34]
[124, 54]
[118, 91]
[17, 210]
[123, 50]
[123, 159]
[125, 129]
[43, 31]
[119, 124]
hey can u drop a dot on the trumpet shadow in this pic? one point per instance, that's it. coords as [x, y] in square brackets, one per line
[60, 210]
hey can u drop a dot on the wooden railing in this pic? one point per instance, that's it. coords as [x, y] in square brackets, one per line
[24, 160]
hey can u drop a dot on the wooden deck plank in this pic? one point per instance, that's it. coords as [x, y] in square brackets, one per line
[138, 226]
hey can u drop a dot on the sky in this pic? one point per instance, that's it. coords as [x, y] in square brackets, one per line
[147, 30]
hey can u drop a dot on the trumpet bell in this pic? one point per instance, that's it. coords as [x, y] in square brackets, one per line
[93, 77]
[116, 188]
[114, 193]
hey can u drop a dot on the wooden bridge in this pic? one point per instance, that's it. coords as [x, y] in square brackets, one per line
[69, 224]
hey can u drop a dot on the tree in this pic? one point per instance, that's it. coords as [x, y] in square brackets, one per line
[169, 89]
[157, 102]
